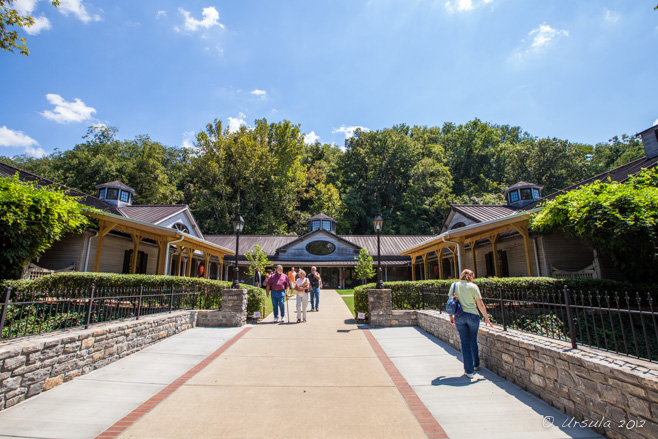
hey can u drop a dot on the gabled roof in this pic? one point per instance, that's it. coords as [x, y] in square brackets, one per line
[116, 184]
[619, 174]
[317, 232]
[391, 245]
[152, 213]
[483, 212]
[7, 170]
[269, 243]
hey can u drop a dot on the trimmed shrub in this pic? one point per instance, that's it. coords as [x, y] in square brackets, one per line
[82, 281]
[490, 286]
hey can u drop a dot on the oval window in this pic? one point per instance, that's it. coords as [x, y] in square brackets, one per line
[320, 248]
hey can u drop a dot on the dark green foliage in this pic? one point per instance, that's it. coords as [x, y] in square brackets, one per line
[31, 220]
[618, 220]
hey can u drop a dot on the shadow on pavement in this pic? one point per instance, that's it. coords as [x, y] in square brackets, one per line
[460, 381]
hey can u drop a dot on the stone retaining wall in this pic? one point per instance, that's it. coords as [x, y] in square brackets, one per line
[612, 394]
[233, 313]
[36, 364]
[380, 309]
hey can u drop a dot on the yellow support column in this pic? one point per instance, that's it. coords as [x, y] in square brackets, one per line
[473, 258]
[413, 267]
[179, 250]
[425, 266]
[103, 229]
[162, 256]
[206, 265]
[221, 267]
[439, 260]
[494, 239]
[133, 260]
[190, 254]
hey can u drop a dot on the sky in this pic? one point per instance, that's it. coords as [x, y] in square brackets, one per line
[581, 70]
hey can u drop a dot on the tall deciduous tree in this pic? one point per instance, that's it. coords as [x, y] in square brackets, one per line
[364, 269]
[9, 17]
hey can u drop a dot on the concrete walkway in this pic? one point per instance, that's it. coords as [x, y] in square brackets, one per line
[317, 379]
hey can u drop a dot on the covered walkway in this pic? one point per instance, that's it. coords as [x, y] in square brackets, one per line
[326, 378]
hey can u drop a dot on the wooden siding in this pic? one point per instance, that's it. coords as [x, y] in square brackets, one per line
[68, 251]
[650, 142]
[516, 262]
[114, 248]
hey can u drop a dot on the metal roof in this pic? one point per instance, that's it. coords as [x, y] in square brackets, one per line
[321, 216]
[269, 243]
[304, 264]
[152, 213]
[521, 184]
[483, 212]
[391, 245]
[116, 184]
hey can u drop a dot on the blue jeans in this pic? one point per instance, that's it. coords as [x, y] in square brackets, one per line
[278, 303]
[315, 298]
[467, 326]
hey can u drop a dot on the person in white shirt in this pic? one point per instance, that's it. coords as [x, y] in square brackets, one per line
[301, 285]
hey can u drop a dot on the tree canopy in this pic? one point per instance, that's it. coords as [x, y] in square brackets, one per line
[409, 174]
[9, 18]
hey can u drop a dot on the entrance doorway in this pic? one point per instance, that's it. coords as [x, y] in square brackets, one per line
[330, 277]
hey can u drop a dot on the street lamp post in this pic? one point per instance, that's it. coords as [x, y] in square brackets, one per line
[238, 225]
[377, 223]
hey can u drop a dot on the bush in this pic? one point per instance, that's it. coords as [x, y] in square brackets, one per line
[489, 288]
[83, 281]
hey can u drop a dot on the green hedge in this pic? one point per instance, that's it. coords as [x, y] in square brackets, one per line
[489, 286]
[64, 281]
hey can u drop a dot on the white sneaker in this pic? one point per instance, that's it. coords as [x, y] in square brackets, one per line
[476, 368]
[469, 375]
[276, 320]
[283, 319]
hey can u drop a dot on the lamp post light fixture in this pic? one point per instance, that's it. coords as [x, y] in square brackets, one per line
[377, 224]
[238, 225]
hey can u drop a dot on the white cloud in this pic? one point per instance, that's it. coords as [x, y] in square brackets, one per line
[349, 131]
[310, 138]
[67, 112]
[78, 9]
[40, 23]
[161, 14]
[234, 123]
[538, 39]
[210, 19]
[258, 92]
[655, 123]
[465, 5]
[25, 7]
[35, 152]
[611, 17]
[10, 137]
[189, 137]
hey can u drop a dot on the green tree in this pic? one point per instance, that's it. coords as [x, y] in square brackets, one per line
[619, 220]
[31, 220]
[9, 17]
[364, 269]
[614, 153]
[257, 259]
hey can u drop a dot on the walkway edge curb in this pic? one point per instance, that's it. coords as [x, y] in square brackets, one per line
[430, 425]
[127, 421]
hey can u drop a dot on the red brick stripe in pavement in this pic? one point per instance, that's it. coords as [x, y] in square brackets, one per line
[134, 416]
[424, 417]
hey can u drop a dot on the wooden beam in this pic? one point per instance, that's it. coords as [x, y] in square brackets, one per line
[221, 267]
[179, 250]
[206, 265]
[413, 267]
[425, 266]
[473, 258]
[190, 253]
[523, 230]
[162, 256]
[439, 259]
[494, 239]
[133, 260]
[104, 228]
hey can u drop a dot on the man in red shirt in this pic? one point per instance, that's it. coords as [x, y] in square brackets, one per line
[277, 284]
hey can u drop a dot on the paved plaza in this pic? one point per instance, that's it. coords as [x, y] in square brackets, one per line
[326, 378]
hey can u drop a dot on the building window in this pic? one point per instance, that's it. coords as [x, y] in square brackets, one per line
[125, 196]
[112, 194]
[457, 226]
[503, 267]
[181, 227]
[320, 248]
[315, 225]
[526, 194]
[101, 194]
[142, 259]
[536, 194]
[513, 196]
[326, 225]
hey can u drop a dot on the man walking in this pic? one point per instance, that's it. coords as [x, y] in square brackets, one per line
[315, 280]
[257, 278]
[277, 284]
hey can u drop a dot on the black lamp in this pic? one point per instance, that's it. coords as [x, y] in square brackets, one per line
[238, 225]
[377, 224]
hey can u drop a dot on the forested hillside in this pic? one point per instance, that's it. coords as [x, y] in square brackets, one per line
[410, 175]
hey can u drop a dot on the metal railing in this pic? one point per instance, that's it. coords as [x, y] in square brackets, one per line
[623, 323]
[36, 311]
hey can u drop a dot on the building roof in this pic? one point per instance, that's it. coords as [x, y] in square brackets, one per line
[7, 170]
[619, 174]
[152, 213]
[321, 216]
[521, 184]
[483, 212]
[391, 245]
[116, 184]
[269, 243]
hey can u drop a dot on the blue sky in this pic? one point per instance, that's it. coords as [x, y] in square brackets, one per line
[579, 70]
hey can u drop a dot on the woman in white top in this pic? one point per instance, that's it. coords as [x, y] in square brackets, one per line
[301, 285]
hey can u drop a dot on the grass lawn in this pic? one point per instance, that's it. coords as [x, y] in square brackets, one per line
[345, 292]
[349, 301]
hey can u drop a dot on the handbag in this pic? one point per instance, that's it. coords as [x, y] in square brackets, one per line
[453, 307]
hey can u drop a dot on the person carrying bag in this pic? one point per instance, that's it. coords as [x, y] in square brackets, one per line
[469, 298]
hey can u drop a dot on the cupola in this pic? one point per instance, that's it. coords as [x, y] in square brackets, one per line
[116, 193]
[521, 194]
[321, 222]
